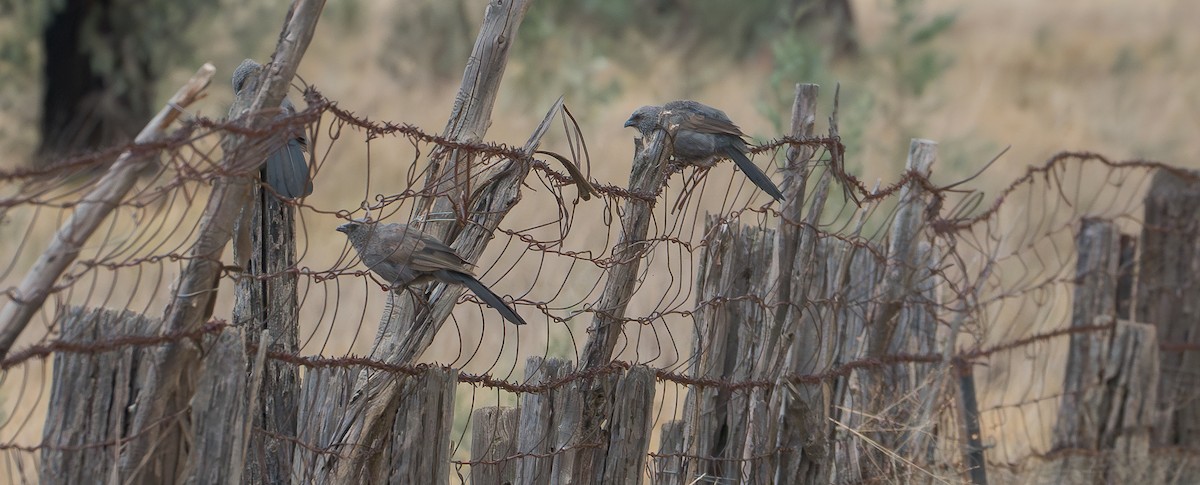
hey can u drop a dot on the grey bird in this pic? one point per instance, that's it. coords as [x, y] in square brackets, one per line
[404, 256]
[286, 168]
[703, 135]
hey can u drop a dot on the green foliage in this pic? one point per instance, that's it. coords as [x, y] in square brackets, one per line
[908, 49]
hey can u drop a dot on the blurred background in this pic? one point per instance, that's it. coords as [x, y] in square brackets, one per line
[1112, 76]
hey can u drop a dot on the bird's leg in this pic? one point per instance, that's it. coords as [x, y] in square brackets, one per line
[419, 298]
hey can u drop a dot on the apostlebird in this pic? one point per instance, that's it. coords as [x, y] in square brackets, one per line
[703, 135]
[286, 169]
[403, 255]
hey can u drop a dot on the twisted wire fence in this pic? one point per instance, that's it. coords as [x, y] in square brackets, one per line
[683, 328]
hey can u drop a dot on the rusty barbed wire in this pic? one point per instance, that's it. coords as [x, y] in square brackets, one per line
[1002, 273]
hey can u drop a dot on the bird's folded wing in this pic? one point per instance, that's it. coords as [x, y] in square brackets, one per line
[708, 124]
[432, 255]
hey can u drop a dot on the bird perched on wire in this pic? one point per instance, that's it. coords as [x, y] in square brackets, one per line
[702, 136]
[404, 256]
[286, 170]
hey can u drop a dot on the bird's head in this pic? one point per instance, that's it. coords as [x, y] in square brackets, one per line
[354, 227]
[244, 72]
[645, 119]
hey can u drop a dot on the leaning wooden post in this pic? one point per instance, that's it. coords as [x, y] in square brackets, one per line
[408, 326]
[594, 395]
[27, 298]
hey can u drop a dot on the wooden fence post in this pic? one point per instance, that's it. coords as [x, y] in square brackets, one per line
[270, 303]
[1168, 297]
[729, 272]
[420, 447]
[540, 417]
[1094, 296]
[793, 248]
[89, 398]
[493, 439]
[629, 429]
[196, 285]
[669, 467]
[221, 423]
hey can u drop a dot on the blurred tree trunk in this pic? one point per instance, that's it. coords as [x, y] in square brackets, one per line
[831, 21]
[99, 74]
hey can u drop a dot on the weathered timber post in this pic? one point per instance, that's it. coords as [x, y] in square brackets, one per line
[1095, 296]
[730, 269]
[669, 468]
[541, 414]
[265, 299]
[793, 248]
[493, 442]
[629, 429]
[1168, 297]
[479, 202]
[421, 432]
[89, 399]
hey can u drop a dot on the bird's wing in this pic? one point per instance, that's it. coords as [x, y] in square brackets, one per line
[429, 254]
[703, 123]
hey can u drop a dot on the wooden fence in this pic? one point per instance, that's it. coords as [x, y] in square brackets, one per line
[819, 355]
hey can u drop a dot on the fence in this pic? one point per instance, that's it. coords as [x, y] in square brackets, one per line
[909, 333]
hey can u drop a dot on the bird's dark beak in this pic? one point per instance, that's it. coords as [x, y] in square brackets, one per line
[629, 122]
[345, 227]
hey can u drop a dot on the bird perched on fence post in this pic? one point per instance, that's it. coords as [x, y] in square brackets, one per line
[404, 256]
[701, 136]
[286, 168]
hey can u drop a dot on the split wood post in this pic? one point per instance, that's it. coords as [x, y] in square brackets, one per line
[222, 409]
[629, 428]
[197, 283]
[730, 270]
[1094, 296]
[90, 395]
[1168, 297]
[897, 290]
[493, 444]
[854, 279]
[421, 448]
[787, 438]
[265, 300]
[541, 413]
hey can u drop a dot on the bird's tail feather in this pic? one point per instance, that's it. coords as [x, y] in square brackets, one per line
[287, 171]
[756, 176]
[493, 300]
